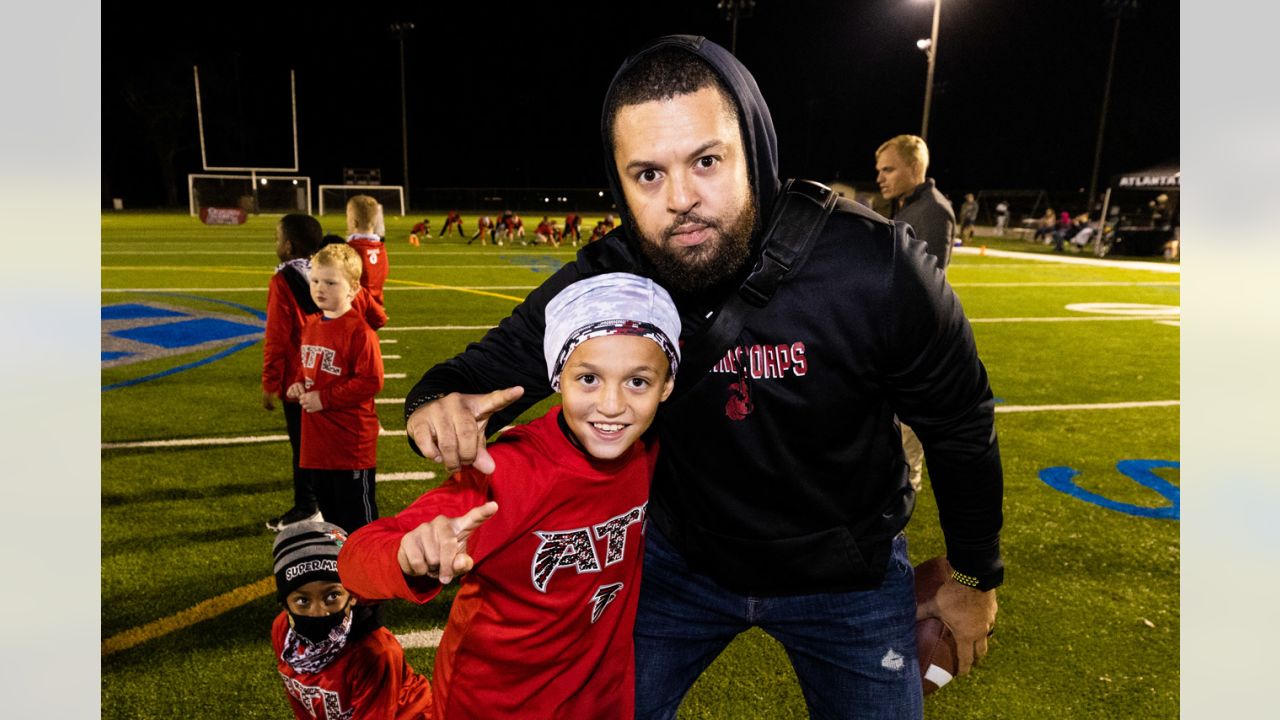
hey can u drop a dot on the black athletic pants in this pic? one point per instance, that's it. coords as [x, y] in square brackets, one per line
[347, 498]
[303, 496]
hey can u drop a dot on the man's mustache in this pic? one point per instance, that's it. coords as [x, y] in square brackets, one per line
[689, 218]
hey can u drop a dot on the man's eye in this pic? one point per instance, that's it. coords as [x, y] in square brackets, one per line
[587, 379]
[638, 383]
[707, 161]
[648, 176]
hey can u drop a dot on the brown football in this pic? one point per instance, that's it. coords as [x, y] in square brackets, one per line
[937, 647]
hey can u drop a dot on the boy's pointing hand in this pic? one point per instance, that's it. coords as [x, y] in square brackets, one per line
[438, 549]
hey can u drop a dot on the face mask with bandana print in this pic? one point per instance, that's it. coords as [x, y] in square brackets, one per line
[314, 642]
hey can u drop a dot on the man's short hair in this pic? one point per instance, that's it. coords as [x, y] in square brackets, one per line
[362, 213]
[661, 75]
[344, 258]
[911, 148]
[303, 234]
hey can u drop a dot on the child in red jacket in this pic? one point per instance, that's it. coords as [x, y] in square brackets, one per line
[289, 304]
[340, 373]
[336, 660]
[551, 542]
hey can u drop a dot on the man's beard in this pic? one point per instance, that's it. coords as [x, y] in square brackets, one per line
[703, 266]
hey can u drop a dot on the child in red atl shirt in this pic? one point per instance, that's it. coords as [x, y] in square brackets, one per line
[341, 373]
[549, 546]
[335, 658]
[289, 304]
[364, 218]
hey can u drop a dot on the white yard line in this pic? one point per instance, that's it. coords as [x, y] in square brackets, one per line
[1082, 318]
[437, 327]
[385, 341]
[395, 376]
[401, 476]
[1171, 268]
[1087, 406]
[390, 357]
[1173, 283]
[421, 638]
[250, 439]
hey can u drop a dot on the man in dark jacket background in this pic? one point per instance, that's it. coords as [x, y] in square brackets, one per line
[781, 490]
[901, 165]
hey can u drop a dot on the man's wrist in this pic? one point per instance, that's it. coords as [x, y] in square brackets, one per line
[412, 405]
[987, 581]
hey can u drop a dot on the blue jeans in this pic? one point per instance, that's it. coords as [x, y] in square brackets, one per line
[854, 652]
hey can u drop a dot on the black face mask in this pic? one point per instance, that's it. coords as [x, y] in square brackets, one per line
[318, 629]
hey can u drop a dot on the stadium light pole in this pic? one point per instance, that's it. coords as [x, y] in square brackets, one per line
[930, 48]
[400, 29]
[732, 9]
[1117, 8]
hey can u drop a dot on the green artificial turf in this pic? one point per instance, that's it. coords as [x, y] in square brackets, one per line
[1088, 624]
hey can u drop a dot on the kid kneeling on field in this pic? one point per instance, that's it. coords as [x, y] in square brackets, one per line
[341, 372]
[551, 542]
[334, 656]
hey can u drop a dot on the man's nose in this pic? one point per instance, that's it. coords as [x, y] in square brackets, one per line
[682, 195]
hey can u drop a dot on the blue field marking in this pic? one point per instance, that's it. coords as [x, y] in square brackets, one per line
[181, 334]
[537, 263]
[252, 311]
[1062, 479]
[134, 311]
[187, 333]
[163, 373]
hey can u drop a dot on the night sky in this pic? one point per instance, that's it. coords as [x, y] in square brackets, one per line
[508, 95]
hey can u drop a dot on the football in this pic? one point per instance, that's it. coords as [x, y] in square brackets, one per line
[934, 642]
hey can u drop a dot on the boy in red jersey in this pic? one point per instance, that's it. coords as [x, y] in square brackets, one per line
[484, 228]
[341, 373]
[289, 304]
[453, 220]
[571, 223]
[551, 541]
[364, 220]
[335, 658]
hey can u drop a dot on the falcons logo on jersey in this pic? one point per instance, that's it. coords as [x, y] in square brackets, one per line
[605, 594]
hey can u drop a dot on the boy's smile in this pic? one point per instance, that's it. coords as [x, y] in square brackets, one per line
[611, 387]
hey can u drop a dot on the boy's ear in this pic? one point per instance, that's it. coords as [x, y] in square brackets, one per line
[668, 386]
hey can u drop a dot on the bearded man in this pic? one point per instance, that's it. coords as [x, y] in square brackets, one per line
[780, 492]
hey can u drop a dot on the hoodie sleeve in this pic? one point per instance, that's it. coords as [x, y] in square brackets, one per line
[939, 387]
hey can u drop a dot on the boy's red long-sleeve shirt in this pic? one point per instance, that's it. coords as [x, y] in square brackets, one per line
[541, 626]
[369, 680]
[342, 361]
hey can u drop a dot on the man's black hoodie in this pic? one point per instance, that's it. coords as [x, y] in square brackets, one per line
[781, 470]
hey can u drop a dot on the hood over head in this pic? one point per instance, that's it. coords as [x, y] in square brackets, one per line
[754, 121]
